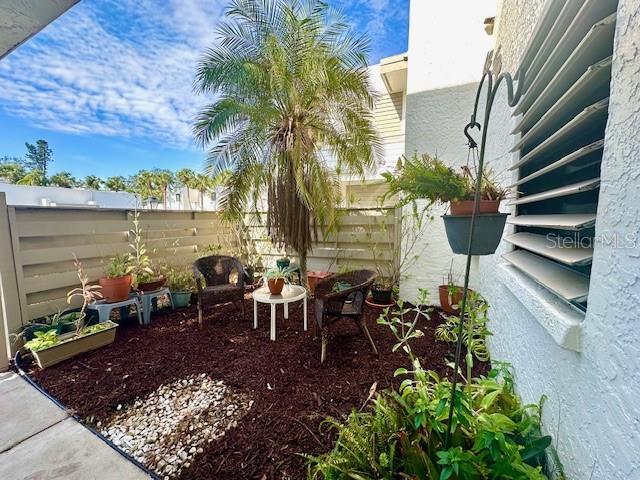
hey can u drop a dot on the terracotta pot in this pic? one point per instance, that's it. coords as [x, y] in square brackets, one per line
[115, 289]
[152, 285]
[314, 277]
[447, 301]
[465, 207]
[275, 285]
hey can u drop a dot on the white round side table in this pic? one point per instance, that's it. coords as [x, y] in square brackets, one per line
[290, 293]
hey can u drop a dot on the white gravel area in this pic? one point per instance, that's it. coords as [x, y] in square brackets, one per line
[167, 429]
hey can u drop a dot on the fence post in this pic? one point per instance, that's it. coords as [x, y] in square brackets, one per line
[10, 311]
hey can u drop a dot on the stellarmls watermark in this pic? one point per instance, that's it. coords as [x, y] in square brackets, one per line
[610, 240]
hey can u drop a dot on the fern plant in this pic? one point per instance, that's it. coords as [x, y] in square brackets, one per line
[402, 433]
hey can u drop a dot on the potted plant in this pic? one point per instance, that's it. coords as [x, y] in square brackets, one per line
[382, 291]
[283, 262]
[181, 284]
[425, 177]
[143, 277]
[276, 278]
[116, 284]
[450, 294]
[50, 347]
[314, 277]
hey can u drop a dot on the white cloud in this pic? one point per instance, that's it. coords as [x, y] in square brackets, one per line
[113, 68]
[125, 67]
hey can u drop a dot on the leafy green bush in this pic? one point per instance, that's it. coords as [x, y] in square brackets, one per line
[475, 331]
[119, 266]
[179, 279]
[43, 340]
[403, 433]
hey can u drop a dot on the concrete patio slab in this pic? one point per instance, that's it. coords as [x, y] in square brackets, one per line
[40, 440]
[24, 411]
[66, 450]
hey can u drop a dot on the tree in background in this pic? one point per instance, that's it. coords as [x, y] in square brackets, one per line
[38, 157]
[33, 178]
[92, 182]
[187, 179]
[63, 179]
[204, 184]
[164, 180]
[11, 171]
[292, 88]
[116, 183]
[144, 184]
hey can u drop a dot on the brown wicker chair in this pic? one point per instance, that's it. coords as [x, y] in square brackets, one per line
[215, 270]
[331, 306]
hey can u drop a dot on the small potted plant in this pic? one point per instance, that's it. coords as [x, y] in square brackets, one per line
[314, 277]
[425, 177]
[143, 276]
[49, 347]
[181, 284]
[276, 278]
[382, 291]
[116, 284]
[450, 294]
[283, 262]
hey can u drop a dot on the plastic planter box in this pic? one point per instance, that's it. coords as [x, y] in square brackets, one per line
[75, 346]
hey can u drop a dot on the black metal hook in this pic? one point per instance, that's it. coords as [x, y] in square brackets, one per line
[471, 142]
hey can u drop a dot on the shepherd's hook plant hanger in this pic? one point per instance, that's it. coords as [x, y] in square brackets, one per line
[493, 78]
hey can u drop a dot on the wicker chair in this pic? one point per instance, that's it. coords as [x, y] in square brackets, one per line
[215, 270]
[331, 306]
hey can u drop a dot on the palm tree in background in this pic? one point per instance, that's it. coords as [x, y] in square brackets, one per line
[187, 178]
[293, 94]
[164, 180]
[11, 171]
[92, 182]
[63, 179]
[116, 183]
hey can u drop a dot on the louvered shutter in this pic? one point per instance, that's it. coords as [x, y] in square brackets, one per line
[561, 121]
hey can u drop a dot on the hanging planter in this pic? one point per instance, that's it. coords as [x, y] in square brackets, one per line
[486, 236]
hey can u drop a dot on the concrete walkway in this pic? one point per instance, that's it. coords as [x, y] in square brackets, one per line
[39, 440]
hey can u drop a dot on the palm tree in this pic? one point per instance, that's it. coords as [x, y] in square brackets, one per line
[187, 178]
[203, 183]
[116, 183]
[144, 184]
[33, 178]
[92, 182]
[11, 171]
[293, 95]
[164, 180]
[63, 179]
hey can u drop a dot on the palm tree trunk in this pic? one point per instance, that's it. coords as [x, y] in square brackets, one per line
[303, 268]
[202, 200]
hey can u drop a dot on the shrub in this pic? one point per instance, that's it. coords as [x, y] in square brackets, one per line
[179, 279]
[403, 433]
[118, 266]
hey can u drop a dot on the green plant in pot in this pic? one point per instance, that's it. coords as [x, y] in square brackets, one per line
[283, 262]
[181, 284]
[143, 277]
[428, 178]
[50, 347]
[276, 278]
[382, 291]
[116, 284]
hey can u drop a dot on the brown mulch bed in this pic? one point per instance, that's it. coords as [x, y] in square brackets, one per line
[292, 392]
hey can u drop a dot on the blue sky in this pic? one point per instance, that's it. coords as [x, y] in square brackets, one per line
[108, 84]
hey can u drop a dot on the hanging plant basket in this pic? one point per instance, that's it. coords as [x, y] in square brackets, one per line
[486, 236]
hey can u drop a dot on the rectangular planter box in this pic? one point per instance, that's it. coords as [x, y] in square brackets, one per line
[70, 348]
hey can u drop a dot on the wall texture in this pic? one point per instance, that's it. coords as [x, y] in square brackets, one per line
[592, 409]
[434, 123]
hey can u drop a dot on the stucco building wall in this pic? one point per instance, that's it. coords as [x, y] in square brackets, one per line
[587, 366]
[591, 406]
